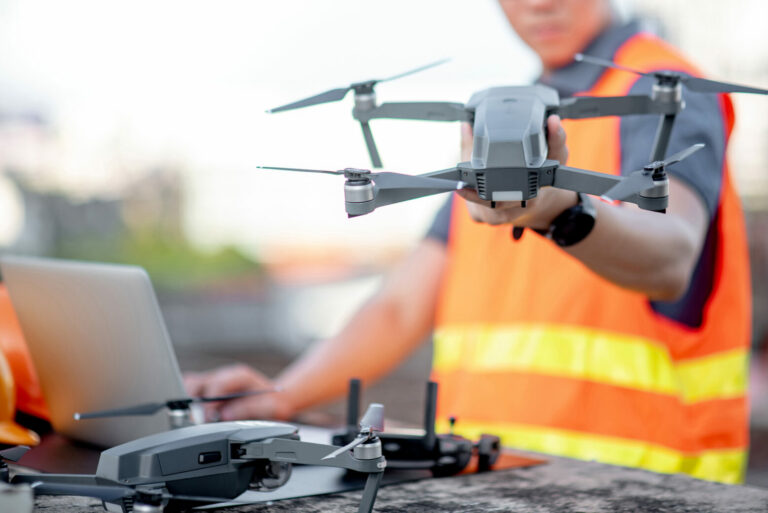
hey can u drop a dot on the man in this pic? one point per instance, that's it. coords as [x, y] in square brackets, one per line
[626, 344]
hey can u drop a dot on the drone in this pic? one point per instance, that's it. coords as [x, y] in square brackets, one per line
[210, 463]
[509, 156]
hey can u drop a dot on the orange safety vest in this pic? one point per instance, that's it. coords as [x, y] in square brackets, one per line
[29, 395]
[531, 345]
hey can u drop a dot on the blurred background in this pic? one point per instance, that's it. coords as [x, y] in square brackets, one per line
[131, 131]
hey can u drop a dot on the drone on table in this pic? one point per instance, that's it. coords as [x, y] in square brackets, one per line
[509, 156]
[210, 463]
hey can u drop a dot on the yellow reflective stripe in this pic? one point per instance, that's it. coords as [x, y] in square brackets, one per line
[721, 375]
[726, 466]
[584, 353]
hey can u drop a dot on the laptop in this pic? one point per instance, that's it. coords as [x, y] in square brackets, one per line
[98, 341]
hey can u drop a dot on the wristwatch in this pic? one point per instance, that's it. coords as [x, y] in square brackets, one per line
[570, 226]
[573, 224]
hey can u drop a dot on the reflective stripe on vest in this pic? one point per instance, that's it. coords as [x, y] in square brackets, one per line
[726, 466]
[531, 345]
[584, 353]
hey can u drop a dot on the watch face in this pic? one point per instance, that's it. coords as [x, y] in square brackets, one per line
[575, 228]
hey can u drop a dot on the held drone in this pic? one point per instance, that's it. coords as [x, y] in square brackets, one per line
[509, 156]
[211, 463]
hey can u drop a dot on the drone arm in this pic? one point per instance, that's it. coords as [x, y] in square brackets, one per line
[68, 479]
[390, 196]
[306, 453]
[582, 180]
[424, 111]
[597, 184]
[371, 144]
[663, 134]
[392, 188]
[598, 106]
[395, 189]
[452, 173]
[369, 492]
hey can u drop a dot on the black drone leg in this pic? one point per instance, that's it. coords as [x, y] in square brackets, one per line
[663, 133]
[369, 493]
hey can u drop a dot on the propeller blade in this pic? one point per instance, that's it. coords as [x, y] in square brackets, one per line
[702, 85]
[388, 180]
[373, 420]
[340, 172]
[640, 180]
[580, 57]
[415, 70]
[682, 155]
[333, 95]
[141, 409]
[152, 408]
[351, 445]
[14, 453]
[696, 84]
[338, 94]
[635, 183]
[108, 493]
[237, 395]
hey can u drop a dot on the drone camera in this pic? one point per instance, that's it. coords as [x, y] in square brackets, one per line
[271, 475]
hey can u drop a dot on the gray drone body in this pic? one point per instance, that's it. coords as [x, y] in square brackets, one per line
[510, 142]
[508, 131]
[509, 156]
[200, 460]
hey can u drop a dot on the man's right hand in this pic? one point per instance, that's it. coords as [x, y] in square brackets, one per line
[231, 380]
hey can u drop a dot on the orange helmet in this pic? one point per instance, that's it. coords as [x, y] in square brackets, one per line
[19, 387]
[10, 432]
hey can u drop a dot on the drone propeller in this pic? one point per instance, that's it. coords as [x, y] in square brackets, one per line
[371, 423]
[300, 170]
[373, 420]
[383, 180]
[338, 94]
[642, 179]
[173, 404]
[699, 85]
[14, 453]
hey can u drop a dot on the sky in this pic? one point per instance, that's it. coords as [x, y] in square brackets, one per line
[130, 84]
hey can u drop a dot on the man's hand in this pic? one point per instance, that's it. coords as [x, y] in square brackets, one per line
[540, 211]
[233, 379]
